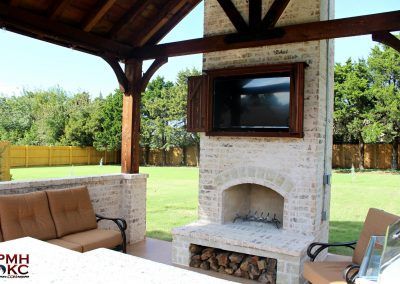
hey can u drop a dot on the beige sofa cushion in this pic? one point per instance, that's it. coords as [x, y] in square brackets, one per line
[375, 224]
[67, 245]
[326, 272]
[72, 210]
[96, 238]
[26, 215]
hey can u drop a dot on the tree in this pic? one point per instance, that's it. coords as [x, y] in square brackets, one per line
[183, 138]
[353, 103]
[107, 117]
[156, 116]
[384, 125]
[78, 129]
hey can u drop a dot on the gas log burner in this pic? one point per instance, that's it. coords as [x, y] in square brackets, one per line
[249, 217]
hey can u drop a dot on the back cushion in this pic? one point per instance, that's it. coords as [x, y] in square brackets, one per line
[26, 215]
[72, 210]
[375, 224]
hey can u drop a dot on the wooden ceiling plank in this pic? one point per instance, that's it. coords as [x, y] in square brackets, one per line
[234, 15]
[274, 13]
[164, 15]
[20, 19]
[136, 10]
[255, 12]
[388, 39]
[102, 7]
[354, 26]
[57, 8]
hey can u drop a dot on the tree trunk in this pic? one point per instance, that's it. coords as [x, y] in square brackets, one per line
[361, 153]
[184, 156]
[147, 155]
[395, 154]
[198, 153]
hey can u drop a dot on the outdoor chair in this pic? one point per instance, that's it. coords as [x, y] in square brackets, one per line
[340, 269]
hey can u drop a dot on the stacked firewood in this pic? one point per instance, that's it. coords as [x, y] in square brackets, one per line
[242, 265]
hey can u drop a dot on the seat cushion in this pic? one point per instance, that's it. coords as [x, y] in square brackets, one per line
[26, 215]
[96, 238]
[338, 257]
[326, 272]
[375, 224]
[72, 210]
[65, 244]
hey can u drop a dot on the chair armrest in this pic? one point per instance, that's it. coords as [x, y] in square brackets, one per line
[321, 246]
[121, 223]
[351, 273]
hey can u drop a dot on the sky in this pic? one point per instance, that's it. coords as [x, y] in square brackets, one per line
[31, 64]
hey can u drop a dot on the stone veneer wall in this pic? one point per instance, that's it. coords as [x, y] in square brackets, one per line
[292, 167]
[118, 195]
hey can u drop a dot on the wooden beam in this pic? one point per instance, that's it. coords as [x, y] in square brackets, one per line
[173, 21]
[131, 119]
[234, 15]
[57, 8]
[388, 39]
[131, 14]
[29, 23]
[121, 77]
[255, 11]
[274, 13]
[354, 26]
[150, 72]
[167, 12]
[102, 7]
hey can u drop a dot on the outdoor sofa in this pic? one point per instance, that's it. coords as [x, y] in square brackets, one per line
[61, 217]
[337, 269]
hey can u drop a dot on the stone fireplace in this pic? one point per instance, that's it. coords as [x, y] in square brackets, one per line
[254, 176]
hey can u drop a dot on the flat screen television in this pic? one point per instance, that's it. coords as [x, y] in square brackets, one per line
[260, 101]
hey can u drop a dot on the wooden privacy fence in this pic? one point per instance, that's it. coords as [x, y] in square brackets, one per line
[4, 161]
[31, 156]
[376, 156]
[34, 156]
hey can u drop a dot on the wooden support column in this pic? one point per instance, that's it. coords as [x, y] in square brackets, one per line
[131, 118]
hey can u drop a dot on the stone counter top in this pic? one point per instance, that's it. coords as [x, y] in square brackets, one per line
[52, 264]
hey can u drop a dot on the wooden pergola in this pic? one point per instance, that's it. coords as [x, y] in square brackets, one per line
[129, 31]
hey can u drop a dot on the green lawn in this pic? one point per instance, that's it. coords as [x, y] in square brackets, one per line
[172, 196]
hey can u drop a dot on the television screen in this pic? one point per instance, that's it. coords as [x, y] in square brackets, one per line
[251, 103]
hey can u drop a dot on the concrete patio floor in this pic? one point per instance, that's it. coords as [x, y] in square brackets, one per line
[160, 251]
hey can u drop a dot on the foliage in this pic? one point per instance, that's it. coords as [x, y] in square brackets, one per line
[107, 122]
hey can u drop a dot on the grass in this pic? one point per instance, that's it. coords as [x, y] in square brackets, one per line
[172, 196]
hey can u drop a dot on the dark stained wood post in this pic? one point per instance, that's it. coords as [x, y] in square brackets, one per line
[131, 118]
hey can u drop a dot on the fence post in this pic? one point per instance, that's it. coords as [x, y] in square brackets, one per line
[26, 156]
[70, 155]
[50, 148]
[88, 155]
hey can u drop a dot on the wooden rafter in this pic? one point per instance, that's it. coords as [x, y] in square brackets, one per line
[102, 7]
[29, 23]
[234, 15]
[121, 77]
[388, 39]
[57, 8]
[255, 11]
[354, 26]
[131, 14]
[167, 12]
[274, 13]
[173, 21]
